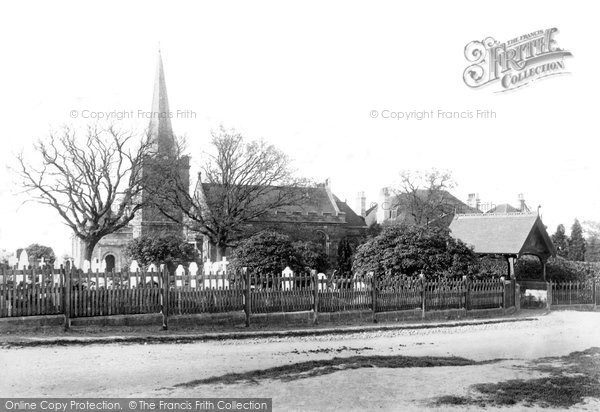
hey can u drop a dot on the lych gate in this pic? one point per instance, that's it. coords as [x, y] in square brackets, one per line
[510, 235]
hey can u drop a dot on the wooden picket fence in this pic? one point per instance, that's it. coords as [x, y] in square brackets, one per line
[86, 294]
[31, 292]
[575, 293]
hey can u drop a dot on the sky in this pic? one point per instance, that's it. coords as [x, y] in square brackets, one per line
[306, 76]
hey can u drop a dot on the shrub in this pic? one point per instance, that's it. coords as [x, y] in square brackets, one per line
[557, 269]
[271, 252]
[171, 250]
[267, 252]
[412, 250]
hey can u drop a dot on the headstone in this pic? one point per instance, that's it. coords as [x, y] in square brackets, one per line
[193, 272]
[179, 274]
[23, 260]
[286, 274]
[322, 279]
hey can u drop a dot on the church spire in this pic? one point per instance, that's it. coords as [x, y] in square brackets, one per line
[161, 131]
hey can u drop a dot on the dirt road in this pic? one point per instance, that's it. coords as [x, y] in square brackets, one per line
[308, 378]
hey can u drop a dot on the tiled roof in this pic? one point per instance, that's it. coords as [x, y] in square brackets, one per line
[503, 208]
[352, 218]
[313, 200]
[507, 233]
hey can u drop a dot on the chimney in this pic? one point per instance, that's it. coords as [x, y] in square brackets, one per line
[473, 201]
[361, 203]
[522, 206]
[383, 205]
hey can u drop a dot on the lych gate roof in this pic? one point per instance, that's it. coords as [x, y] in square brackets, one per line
[504, 234]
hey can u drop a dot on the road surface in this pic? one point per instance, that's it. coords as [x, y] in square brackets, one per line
[174, 370]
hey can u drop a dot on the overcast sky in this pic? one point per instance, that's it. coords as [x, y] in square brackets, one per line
[306, 76]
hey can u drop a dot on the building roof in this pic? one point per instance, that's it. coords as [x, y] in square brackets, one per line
[352, 218]
[503, 234]
[401, 203]
[160, 129]
[314, 201]
[504, 208]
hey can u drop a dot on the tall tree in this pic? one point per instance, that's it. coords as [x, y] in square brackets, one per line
[423, 196]
[240, 181]
[93, 183]
[591, 229]
[561, 241]
[576, 243]
[344, 258]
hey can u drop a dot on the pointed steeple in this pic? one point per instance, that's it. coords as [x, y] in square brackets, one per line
[161, 131]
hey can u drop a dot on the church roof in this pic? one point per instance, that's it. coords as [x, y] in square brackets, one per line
[160, 129]
[503, 234]
[314, 201]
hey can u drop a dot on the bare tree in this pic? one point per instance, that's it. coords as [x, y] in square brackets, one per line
[94, 183]
[423, 195]
[241, 182]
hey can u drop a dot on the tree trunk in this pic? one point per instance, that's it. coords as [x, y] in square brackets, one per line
[90, 244]
[220, 252]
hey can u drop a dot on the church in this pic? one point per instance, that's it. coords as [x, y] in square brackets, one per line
[322, 217]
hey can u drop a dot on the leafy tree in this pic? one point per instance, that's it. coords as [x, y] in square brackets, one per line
[344, 258]
[37, 252]
[94, 183]
[592, 251]
[244, 180]
[409, 250]
[373, 230]
[576, 243]
[266, 252]
[561, 241]
[171, 250]
[311, 256]
[592, 232]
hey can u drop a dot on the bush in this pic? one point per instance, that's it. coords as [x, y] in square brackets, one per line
[171, 250]
[267, 252]
[310, 255]
[271, 252]
[412, 250]
[557, 269]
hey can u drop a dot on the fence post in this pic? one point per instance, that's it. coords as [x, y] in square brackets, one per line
[548, 295]
[374, 295]
[467, 297]
[165, 302]
[504, 293]
[423, 297]
[247, 306]
[316, 296]
[517, 296]
[67, 297]
[594, 291]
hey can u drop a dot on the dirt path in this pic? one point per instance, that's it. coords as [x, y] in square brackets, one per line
[161, 369]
